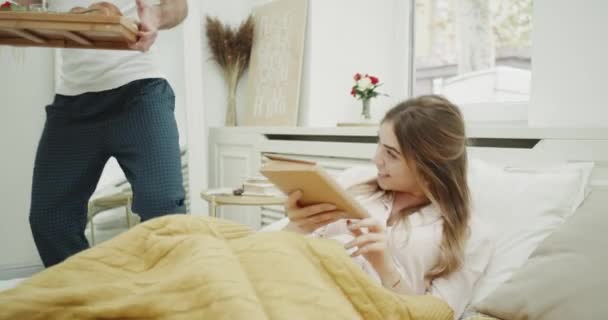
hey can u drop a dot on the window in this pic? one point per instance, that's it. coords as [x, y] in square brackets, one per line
[474, 51]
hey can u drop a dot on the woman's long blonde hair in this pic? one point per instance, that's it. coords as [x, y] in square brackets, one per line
[431, 134]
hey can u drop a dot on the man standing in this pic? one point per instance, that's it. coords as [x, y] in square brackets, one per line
[108, 104]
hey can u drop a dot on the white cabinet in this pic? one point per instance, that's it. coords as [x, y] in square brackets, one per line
[232, 159]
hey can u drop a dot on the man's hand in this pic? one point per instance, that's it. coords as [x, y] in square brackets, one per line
[149, 24]
[166, 15]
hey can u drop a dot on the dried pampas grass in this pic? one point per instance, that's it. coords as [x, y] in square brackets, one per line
[231, 49]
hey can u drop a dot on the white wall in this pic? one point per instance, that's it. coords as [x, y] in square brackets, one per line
[569, 64]
[343, 37]
[26, 87]
[349, 36]
[193, 101]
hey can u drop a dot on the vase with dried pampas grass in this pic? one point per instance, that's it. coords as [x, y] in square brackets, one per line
[231, 49]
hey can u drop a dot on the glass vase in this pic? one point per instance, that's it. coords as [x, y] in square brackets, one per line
[365, 110]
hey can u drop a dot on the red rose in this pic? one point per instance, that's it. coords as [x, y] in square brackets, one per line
[5, 5]
[353, 92]
[374, 79]
[357, 76]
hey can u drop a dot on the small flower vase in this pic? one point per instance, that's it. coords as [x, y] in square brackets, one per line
[365, 111]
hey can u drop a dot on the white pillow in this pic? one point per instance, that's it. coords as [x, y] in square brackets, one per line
[523, 206]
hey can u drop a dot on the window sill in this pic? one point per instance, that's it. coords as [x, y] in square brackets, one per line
[511, 112]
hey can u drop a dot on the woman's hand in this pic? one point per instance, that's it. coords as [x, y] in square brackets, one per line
[308, 219]
[372, 245]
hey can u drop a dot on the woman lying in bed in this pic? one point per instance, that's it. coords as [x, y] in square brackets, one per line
[422, 237]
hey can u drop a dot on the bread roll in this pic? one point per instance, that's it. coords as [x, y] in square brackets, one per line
[105, 8]
[78, 10]
[101, 8]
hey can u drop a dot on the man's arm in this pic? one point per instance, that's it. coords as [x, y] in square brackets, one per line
[165, 15]
[172, 13]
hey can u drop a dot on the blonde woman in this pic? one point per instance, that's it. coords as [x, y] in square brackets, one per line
[421, 237]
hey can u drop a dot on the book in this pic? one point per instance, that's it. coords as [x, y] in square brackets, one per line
[258, 186]
[317, 186]
[257, 179]
[260, 189]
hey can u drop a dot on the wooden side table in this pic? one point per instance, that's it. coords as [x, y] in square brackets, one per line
[218, 199]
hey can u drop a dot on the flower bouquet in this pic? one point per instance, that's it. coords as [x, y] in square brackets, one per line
[364, 89]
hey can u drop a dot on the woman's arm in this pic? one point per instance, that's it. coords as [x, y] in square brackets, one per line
[322, 220]
[392, 279]
[306, 220]
[373, 246]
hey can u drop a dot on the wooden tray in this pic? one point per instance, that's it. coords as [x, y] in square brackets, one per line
[66, 30]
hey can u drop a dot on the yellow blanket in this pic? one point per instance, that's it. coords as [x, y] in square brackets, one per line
[185, 267]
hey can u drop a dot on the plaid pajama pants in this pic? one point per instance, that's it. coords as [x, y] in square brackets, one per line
[135, 124]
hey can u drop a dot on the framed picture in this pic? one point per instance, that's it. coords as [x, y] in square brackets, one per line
[276, 63]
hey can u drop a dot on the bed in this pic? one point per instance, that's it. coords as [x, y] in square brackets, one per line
[8, 284]
[558, 160]
[555, 270]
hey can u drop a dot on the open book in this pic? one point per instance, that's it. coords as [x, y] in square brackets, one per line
[316, 184]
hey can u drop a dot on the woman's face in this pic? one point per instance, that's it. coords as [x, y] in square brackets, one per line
[394, 173]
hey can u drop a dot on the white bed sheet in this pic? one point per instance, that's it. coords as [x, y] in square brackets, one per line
[9, 284]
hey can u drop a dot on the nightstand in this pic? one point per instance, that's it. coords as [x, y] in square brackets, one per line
[220, 197]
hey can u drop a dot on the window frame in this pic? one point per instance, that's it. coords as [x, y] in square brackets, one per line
[482, 112]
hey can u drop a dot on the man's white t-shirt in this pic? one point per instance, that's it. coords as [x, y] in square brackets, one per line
[92, 70]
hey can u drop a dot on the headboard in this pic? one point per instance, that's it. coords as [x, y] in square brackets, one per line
[548, 151]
